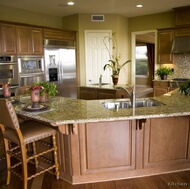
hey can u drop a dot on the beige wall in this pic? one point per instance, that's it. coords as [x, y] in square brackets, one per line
[119, 26]
[151, 22]
[123, 27]
[28, 17]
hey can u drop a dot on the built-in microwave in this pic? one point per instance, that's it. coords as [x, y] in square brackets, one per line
[30, 64]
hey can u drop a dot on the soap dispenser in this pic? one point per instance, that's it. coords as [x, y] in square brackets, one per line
[100, 80]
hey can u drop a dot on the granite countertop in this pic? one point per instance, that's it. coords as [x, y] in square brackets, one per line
[67, 111]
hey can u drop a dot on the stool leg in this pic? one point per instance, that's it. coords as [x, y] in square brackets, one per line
[55, 157]
[8, 157]
[24, 166]
[8, 160]
[34, 152]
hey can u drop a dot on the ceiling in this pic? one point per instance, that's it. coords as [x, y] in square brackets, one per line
[123, 7]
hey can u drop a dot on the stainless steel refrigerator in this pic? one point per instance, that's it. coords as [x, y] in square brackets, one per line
[60, 64]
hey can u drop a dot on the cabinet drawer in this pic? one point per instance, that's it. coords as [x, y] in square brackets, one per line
[161, 84]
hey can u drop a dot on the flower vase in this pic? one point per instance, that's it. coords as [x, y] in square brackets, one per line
[6, 91]
[115, 79]
[163, 77]
[35, 97]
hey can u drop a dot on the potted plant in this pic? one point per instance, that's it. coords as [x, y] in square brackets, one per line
[114, 61]
[48, 89]
[163, 72]
[185, 88]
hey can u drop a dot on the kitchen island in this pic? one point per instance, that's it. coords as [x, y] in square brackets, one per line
[98, 144]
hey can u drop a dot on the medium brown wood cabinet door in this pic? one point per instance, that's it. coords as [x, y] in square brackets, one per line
[88, 93]
[160, 91]
[29, 41]
[106, 94]
[23, 44]
[107, 147]
[36, 41]
[166, 142]
[8, 39]
[165, 40]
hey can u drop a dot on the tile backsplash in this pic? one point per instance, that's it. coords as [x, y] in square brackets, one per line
[182, 66]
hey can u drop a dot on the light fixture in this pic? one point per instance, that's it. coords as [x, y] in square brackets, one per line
[70, 3]
[139, 6]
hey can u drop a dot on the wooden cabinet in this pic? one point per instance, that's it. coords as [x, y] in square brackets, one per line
[7, 39]
[29, 40]
[59, 35]
[182, 32]
[107, 147]
[88, 93]
[161, 87]
[166, 142]
[182, 15]
[165, 40]
[101, 151]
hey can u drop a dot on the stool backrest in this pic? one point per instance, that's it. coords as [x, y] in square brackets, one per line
[8, 115]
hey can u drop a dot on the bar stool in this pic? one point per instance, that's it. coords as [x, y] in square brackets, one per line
[17, 137]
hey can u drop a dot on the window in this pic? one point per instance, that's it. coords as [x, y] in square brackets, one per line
[141, 61]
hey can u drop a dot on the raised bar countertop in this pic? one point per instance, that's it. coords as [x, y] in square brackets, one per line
[68, 111]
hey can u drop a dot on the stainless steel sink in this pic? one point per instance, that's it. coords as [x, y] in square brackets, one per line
[127, 104]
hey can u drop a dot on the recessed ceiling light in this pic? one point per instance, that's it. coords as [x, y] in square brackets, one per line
[70, 3]
[139, 5]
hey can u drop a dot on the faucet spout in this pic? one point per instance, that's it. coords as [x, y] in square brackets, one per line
[130, 94]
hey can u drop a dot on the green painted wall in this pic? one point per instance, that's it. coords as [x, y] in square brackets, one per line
[151, 22]
[116, 23]
[28, 17]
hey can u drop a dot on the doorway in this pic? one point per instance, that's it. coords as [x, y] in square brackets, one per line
[96, 56]
[143, 69]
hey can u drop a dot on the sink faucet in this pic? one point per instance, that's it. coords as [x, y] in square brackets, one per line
[131, 95]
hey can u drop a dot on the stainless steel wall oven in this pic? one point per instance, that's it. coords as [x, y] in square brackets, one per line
[9, 73]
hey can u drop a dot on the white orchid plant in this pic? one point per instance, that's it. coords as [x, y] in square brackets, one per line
[114, 59]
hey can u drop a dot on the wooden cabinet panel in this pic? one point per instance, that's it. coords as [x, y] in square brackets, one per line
[182, 15]
[165, 40]
[166, 141]
[160, 87]
[23, 46]
[29, 41]
[36, 41]
[8, 39]
[88, 93]
[59, 34]
[160, 91]
[122, 93]
[182, 32]
[102, 151]
[107, 147]
[106, 94]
